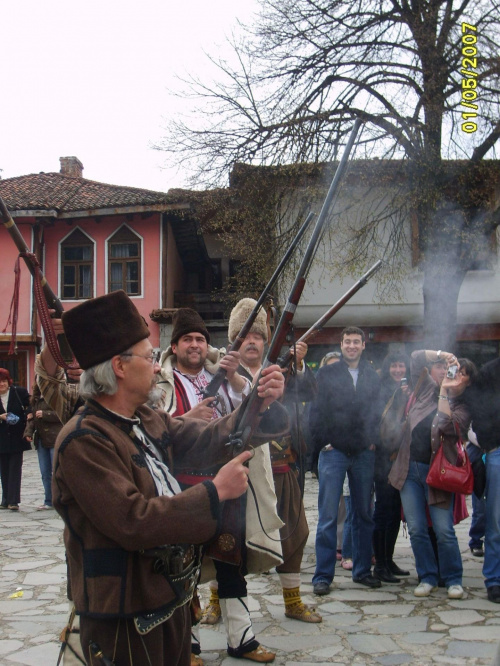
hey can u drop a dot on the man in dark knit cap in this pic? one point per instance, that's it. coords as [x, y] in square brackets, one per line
[129, 529]
[187, 368]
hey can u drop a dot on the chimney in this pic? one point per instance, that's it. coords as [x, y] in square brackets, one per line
[71, 166]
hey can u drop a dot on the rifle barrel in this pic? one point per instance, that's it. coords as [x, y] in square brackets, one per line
[240, 439]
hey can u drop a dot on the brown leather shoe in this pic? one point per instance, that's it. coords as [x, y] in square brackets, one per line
[196, 660]
[211, 614]
[260, 654]
[303, 613]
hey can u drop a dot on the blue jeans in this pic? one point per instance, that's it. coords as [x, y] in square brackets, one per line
[491, 565]
[45, 461]
[347, 536]
[478, 522]
[415, 497]
[332, 468]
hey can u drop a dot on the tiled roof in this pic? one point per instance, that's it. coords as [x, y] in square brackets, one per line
[54, 191]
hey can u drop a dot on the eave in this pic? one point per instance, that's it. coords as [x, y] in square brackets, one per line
[94, 212]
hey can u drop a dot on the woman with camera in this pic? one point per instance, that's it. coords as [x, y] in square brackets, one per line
[436, 390]
[14, 403]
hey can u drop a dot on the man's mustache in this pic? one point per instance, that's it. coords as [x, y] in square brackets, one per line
[251, 347]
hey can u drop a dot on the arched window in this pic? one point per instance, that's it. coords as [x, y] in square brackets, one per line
[124, 261]
[77, 266]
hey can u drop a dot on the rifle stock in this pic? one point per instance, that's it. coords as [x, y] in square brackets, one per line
[240, 439]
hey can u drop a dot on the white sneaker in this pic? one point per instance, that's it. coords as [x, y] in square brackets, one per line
[423, 590]
[455, 592]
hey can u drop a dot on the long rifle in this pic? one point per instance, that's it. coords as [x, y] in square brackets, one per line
[53, 301]
[283, 361]
[238, 440]
[215, 383]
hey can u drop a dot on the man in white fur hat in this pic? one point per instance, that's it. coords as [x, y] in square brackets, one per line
[187, 367]
[284, 454]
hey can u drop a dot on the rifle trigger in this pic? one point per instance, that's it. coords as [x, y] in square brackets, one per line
[236, 442]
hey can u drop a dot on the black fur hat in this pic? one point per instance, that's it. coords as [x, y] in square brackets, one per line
[103, 327]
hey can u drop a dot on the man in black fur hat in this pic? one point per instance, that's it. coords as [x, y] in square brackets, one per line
[128, 525]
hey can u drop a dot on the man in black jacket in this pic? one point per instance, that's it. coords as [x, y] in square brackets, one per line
[344, 424]
[484, 400]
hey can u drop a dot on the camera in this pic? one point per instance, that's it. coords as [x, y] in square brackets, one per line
[404, 382]
[452, 371]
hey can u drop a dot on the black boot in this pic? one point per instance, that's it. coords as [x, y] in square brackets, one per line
[381, 570]
[390, 542]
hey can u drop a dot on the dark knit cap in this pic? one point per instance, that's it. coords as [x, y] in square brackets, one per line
[103, 327]
[186, 321]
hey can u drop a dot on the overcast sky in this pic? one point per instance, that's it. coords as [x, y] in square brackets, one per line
[90, 78]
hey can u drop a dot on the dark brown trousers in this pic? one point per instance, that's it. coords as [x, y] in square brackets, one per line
[169, 644]
[291, 511]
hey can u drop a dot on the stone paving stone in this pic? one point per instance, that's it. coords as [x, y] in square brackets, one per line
[370, 644]
[327, 652]
[488, 633]
[38, 578]
[460, 617]
[25, 566]
[389, 609]
[402, 625]
[471, 649]
[35, 656]
[394, 659]
[363, 594]
[422, 638]
[335, 607]
[7, 647]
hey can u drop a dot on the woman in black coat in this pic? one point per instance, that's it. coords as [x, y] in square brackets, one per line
[14, 403]
[387, 514]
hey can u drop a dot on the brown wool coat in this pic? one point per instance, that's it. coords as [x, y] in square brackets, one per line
[107, 498]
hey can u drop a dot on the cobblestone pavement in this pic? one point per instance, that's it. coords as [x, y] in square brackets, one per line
[360, 626]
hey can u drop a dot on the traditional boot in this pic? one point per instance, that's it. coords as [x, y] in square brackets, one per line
[391, 537]
[381, 570]
[241, 641]
[296, 609]
[212, 612]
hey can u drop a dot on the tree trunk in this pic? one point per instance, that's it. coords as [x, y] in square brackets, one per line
[442, 285]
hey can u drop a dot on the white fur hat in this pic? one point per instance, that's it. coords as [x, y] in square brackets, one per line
[239, 315]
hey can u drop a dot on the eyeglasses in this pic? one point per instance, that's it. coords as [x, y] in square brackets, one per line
[153, 359]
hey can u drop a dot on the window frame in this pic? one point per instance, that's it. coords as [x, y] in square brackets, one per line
[125, 230]
[76, 264]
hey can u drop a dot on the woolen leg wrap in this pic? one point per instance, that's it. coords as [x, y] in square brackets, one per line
[236, 616]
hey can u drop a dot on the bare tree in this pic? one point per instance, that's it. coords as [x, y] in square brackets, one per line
[425, 77]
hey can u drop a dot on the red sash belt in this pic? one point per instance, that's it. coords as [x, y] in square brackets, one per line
[193, 479]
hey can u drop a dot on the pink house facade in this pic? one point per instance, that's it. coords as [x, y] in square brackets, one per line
[92, 238]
